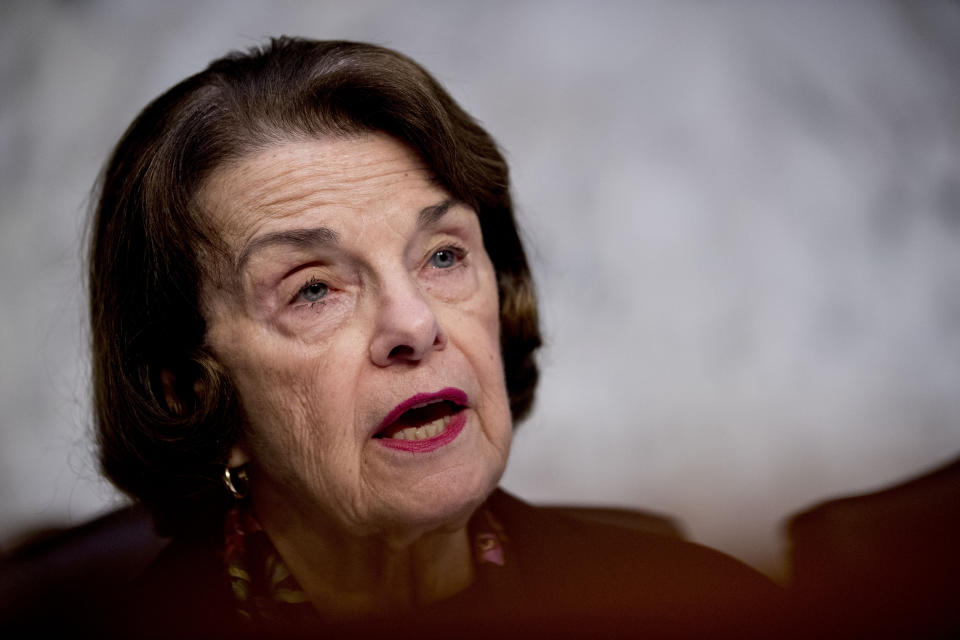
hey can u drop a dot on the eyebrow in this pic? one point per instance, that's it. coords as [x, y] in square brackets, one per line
[431, 215]
[295, 238]
[325, 236]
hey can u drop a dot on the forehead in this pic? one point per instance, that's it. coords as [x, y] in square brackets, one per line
[324, 180]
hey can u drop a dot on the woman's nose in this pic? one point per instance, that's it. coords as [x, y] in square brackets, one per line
[407, 329]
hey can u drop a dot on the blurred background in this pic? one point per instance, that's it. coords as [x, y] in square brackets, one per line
[744, 220]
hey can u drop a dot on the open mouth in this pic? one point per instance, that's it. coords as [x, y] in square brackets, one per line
[421, 422]
[424, 416]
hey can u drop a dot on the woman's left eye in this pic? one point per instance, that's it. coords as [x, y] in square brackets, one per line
[444, 258]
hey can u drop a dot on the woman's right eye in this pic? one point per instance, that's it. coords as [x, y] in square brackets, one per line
[313, 291]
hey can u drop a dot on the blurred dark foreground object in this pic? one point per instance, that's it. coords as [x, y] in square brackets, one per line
[70, 578]
[75, 573]
[885, 564]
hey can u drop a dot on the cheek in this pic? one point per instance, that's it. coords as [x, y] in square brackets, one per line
[297, 431]
[291, 399]
[484, 340]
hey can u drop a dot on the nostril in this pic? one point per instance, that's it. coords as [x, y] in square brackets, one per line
[401, 351]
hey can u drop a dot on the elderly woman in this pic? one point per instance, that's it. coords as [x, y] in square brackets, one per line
[314, 329]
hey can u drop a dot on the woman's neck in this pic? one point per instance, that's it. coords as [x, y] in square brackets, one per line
[345, 575]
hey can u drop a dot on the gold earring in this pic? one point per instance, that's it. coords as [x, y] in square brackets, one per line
[237, 482]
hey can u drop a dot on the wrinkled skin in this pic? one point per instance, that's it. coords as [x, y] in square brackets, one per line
[377, 297]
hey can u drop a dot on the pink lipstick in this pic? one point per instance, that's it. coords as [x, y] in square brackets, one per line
[424, 422]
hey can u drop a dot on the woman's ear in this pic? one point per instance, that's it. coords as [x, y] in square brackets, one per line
[238, 457]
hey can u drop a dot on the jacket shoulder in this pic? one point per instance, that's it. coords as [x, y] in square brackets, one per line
[597, 573]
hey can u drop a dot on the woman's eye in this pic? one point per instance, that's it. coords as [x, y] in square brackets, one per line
[313, 291]
[443, 258]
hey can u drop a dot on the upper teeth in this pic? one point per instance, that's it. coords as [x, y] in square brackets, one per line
[425, 431]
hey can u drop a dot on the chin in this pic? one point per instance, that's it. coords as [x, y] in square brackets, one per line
[442, 504]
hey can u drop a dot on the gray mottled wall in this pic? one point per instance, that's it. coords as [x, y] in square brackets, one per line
[744, 218]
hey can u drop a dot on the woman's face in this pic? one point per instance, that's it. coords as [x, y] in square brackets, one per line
[358, 291]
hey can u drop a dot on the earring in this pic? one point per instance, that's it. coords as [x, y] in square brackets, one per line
[237, 482]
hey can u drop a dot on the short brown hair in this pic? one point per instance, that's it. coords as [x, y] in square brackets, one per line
[148, 239]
